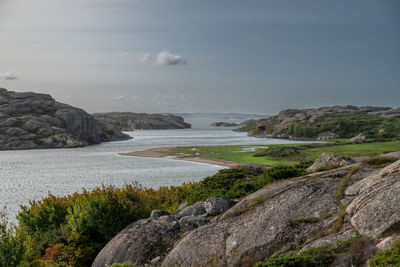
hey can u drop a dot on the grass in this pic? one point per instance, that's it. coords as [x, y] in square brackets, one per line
[238, 153]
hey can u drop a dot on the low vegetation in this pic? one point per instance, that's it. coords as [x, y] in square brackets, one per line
[71, 230]
[287, 154]
[389, 257]
[356, 251]
[342, 124]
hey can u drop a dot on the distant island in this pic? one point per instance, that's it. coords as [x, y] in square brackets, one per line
[30, 121]
[360, 123]
[129, 121]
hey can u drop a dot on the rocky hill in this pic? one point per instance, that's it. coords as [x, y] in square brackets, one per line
[31, 120]
[128, 121]
[330, 123]
[355, 207]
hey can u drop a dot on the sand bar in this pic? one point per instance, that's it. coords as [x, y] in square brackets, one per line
[158, 153]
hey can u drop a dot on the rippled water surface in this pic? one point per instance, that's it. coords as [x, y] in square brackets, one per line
[32, 174]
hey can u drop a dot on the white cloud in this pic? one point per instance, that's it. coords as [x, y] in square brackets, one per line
[166, 58]
[146, 58]
[123, 54]
[121, 97]
[9, 75]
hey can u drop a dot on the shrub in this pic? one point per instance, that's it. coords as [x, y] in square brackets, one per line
[389, 257]
[327, 168]
[12, 244]
[289, 261]
[280, 152]
[379, 162]
[284, 172]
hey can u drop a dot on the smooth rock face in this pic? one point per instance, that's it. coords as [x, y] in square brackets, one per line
[376, 210]
[128, 121]
[329, 160]
[216, 205]
[30, 120]
[146, 240]
[139, 242]
[259, 225]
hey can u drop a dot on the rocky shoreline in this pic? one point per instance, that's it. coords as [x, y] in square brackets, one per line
[325, 123]
[129, 121]
[31, 121]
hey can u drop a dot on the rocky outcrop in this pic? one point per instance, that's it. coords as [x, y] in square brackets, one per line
[327, 123]
[128, 121]
[291, 215]
[224, 124]
[146, 240]
[31, 120]
[376, 209]
[327, 160]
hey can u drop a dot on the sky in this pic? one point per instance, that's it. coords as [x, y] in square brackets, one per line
[203, 55]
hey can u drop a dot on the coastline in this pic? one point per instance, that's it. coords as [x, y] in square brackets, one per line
[158, 153]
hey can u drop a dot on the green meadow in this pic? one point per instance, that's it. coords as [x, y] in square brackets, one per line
[254, 154]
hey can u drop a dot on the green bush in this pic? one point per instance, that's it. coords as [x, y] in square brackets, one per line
[289, 261]
[284, 172]
[12, 244]
[379, 161]
[238, 182]
[389, 257]
[76, 227]
[279, 152]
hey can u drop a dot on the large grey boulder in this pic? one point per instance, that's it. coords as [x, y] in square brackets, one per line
[326, 159]
[216, 205]
[146, 240]
[376, 209]
[272, 220]
[30, 120]
[139, 242]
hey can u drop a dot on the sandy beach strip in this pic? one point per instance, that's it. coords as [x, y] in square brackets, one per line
[158, 153]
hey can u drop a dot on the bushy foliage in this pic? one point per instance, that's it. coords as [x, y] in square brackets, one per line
[12, 244]
[379, 162]
[71, 230]
[279, 152]
[389, 257]
[235, 183]
[319, 256]
[289, 261]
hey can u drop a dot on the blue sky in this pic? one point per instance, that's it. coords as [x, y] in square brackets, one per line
[205, 55]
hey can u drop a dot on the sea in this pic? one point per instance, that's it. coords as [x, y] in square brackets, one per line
[28, 175]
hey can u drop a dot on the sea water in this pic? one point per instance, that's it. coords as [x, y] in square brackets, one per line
[32, 174]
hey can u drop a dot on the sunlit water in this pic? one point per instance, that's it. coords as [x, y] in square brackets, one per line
[32, 174]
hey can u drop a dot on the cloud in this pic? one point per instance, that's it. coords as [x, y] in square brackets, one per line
[9, 76]
[166, 58]
[146, 58]
[121, 97]
[123, 54]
